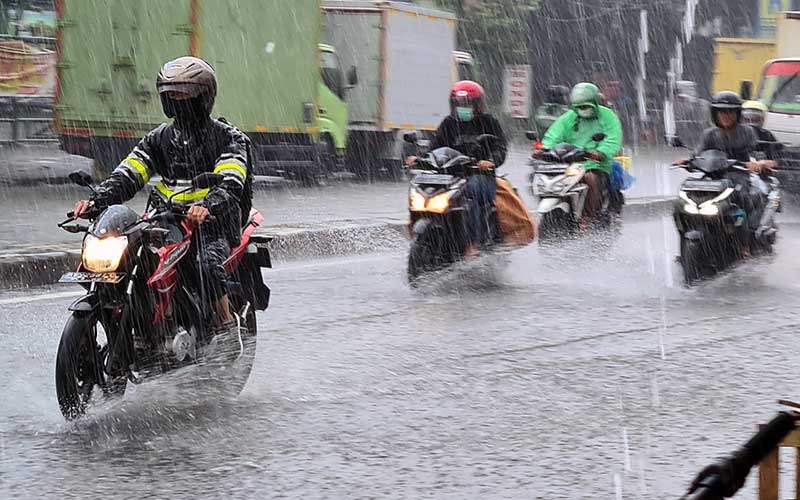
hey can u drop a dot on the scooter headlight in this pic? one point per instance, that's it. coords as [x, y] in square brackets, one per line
[436, 204]
[709, 210]
[103, 255]
[416, 202]
[574, 170]
[691, 208]
[439, 203]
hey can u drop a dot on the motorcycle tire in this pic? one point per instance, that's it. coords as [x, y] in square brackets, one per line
[691, 258]
[420, 259]
[76, 366]
[555, 225]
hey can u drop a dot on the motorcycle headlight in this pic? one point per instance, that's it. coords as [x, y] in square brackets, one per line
[574, 170]
[416, 202]
[102, 255]
[439, 203]
[709, 210]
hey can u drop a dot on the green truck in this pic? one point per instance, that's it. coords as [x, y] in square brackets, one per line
[299, 99]
[271, 68]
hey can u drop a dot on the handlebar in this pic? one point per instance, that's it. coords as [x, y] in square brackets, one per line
[715, 486]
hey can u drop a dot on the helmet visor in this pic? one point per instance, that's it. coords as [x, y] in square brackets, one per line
[753, 117]
[189, 89]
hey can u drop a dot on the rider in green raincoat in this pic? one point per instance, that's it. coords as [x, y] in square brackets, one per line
[585, 118]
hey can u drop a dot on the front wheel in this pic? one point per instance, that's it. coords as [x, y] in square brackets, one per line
[556, 224]
[420, 259]
[691, 260]
[77, 366]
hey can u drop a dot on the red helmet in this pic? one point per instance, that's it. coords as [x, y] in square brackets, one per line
[467, 93]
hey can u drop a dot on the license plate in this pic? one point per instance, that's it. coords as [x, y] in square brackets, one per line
[434, 179]
[83, 277]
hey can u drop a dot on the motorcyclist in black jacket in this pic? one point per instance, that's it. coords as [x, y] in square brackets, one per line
[468, 120]
[738, 141]
[192, 144]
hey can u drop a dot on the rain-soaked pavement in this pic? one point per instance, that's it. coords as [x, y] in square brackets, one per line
[28, 214]
[584, 371]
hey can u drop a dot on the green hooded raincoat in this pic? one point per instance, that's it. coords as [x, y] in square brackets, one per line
[578, 131]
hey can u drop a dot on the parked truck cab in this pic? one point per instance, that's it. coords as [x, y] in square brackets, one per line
[332, 113]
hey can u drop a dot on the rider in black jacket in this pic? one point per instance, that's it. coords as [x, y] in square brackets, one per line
[468, 120]
[192, 144]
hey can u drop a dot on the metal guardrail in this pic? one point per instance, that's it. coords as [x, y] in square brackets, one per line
[26, 120]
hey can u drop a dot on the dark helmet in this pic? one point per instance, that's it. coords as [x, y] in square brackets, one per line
[467, 93]
[191, 76]
[726, 101]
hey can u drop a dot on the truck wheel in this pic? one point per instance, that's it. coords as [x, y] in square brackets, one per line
[327, 156]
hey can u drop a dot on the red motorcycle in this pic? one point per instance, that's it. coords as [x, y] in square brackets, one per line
[154, 320]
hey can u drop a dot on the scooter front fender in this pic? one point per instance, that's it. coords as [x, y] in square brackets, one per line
[547, 205]
[420, 227]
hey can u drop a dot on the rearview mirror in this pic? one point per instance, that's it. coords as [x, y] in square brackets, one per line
[80, 178]
[531, 135]
[352, 76]
[207, 180]
[410, 137]
[598, 137]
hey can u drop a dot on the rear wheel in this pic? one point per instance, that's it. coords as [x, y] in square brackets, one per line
[77, 366]
[242, 367]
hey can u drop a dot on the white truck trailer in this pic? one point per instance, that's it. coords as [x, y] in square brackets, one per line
[405, 59]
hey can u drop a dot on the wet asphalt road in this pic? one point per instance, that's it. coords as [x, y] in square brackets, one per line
[29, 214]
[578, 372]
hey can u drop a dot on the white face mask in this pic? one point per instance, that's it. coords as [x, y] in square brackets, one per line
[586, 112]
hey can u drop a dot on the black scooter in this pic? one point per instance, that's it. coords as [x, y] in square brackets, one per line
[711, 224]
[437, 205]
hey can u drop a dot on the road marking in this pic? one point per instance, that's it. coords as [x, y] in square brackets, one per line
[37, 298]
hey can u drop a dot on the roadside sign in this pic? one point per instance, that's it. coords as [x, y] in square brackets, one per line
[517, 91]
[768, 11]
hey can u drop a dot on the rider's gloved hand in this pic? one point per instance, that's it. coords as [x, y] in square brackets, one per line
[595, 155]
[197, 214]
[485, 165]
[82, 207]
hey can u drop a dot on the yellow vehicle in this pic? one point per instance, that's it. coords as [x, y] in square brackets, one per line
[738, 59]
